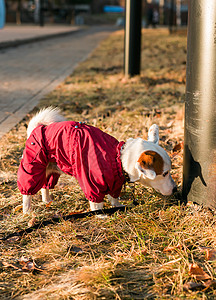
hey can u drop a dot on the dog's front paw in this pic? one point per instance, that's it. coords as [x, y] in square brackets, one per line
[26, 211]
[46, 197]
[114, 202]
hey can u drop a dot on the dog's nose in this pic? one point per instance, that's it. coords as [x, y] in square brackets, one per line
[174, 189]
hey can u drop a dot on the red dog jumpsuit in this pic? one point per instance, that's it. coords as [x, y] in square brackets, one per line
[80, 150]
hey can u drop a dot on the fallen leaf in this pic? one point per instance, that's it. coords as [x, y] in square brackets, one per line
[25, 265]
[210, 283]
[48, 204]
[178, 147]
[211, 254]
[193, 286]
[157, 113]
[80, 236]
[32, 222]
[197, 272]
[28, 265]
[75, 250]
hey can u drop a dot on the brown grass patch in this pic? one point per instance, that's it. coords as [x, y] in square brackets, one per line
[145, 253]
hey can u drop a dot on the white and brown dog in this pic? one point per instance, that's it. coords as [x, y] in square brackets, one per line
[96, 159]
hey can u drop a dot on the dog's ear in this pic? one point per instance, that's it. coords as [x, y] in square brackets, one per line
[153, 134]
[150, 174]
[150, 164]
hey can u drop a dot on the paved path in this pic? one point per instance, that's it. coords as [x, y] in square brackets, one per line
[28, 72]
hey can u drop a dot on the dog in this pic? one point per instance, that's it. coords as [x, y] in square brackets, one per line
[99, 162]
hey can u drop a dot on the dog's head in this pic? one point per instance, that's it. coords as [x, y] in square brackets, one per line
[154, 167]
[151, 164]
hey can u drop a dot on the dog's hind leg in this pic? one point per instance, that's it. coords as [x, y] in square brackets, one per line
[46, 198]
[27, 203]
[96, 206]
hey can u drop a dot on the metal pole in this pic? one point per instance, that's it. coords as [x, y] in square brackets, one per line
[199, 168]
[171, 16]
[41, 17]
[133, 37]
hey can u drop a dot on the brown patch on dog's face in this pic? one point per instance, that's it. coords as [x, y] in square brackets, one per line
[151, 160]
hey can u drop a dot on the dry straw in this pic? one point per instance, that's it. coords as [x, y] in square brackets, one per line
[144, 253]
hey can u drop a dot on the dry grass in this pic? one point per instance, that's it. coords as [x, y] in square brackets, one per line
[142, 254]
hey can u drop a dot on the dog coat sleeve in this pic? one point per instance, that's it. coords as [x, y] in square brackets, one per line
[31, 176]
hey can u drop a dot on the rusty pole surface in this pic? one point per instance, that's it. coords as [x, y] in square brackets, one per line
[199, 167]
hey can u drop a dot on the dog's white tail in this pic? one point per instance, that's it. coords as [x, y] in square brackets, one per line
[45, 116]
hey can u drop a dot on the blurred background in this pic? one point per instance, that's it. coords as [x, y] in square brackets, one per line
[91, 12]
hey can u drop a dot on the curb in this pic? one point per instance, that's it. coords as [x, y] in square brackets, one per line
[16, 43]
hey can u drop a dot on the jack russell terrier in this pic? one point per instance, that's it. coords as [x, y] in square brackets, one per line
[97, 160]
